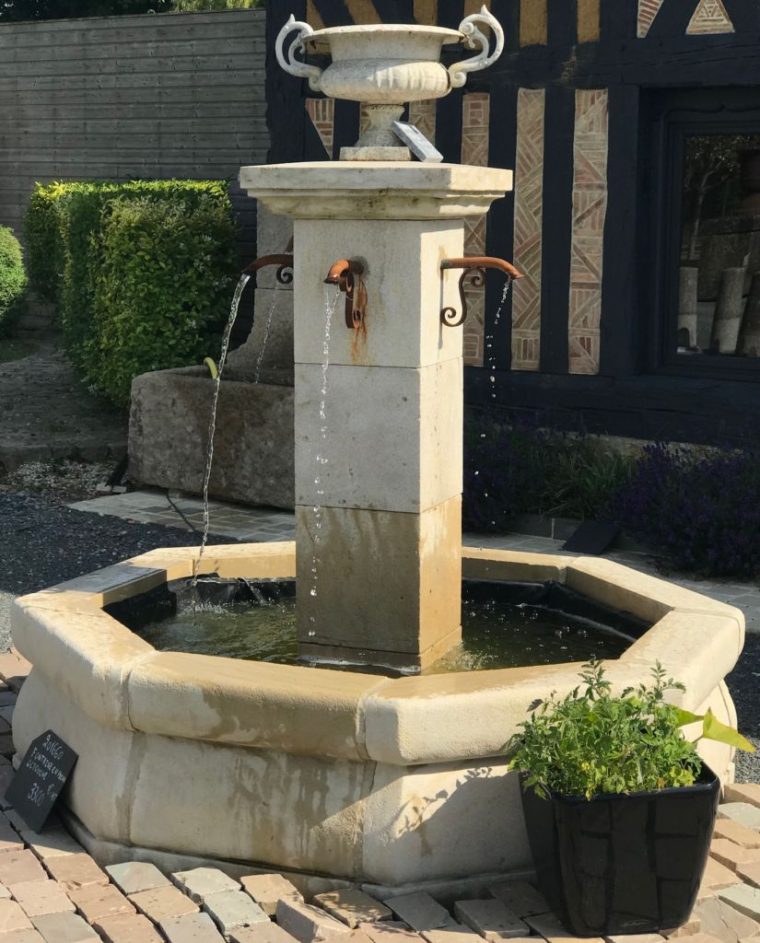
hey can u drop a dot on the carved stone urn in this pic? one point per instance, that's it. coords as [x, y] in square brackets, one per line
[386, 66]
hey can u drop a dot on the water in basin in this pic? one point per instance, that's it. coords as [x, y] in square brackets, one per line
[505, 625]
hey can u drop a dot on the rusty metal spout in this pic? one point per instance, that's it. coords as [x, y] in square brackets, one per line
[475, 267]
[284, 261]
[347, 275]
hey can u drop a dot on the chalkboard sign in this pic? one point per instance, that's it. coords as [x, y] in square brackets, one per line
[40, 778]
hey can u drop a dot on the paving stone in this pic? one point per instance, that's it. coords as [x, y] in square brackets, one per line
[74, 871]
[134, 876]
[717, 875]
[52, 843]
[201, 882]
[37, 898]
[231, 910]
[636, 938]
[159, 903]
[95, 901]
[352, 906]
[305, 922]
[451, 933]
[740, 834]
[389, 931]
[18, 866]
[724, 922]
[4, 892]
[64, 928]
[549, 927]
[12, 917]
[692, 926]
[520, 897]
[743, 898]
[419, 910]
[9, 837]
[742, 812]
[22, 936]
[267, 889]
[261, 933]
[743, 792]
[749, 873]
[14, 669]
[192, 928]
[492, 919]
[731, 855]
[127, 928]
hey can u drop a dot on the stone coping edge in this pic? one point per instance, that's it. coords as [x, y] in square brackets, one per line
[122, 682]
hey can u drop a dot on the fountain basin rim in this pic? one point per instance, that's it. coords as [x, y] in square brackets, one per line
[321, 37]
[123, 683]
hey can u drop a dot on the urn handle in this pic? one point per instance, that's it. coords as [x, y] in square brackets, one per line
[475, 39]
[288, 60]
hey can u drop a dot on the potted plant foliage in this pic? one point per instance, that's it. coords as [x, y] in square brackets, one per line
[618, 805]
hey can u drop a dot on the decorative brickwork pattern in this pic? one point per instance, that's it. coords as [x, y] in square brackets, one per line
[529, 205]
[648, 10]
[321, 111]
[422, 115]
[475, 128]
[589, 213]
[710, 17]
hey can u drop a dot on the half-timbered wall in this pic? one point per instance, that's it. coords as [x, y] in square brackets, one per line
[569, 107]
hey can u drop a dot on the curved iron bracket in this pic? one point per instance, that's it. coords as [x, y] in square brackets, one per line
[284, 261]
[473, 276]
[347, 275]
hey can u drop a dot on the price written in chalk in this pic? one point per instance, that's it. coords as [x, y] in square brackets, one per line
[40, 779]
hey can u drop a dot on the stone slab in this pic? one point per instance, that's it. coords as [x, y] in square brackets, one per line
[191, 928]
[305, 922]
[491, 918]
[420, 911]
[749, 872]
[24, 936]
[52, 843]
[19, 866]
[158, 903]
[717, 875]
[267, 889]
[261, 933]
[635, 938]
[389, 931]
[64, 928]
[520, 897]
[4, 892]
[231, 910]
[742, 812]
[352, 907]
[735, 832]
[73, 871]
[37, 898]
[452, 933]
[9, 839]
[731, 855]
[127, 928]
[133, 876]
[743, 898]
[12, 917]
[200, 883]
[253, 448]
[724, 922]
[95, 902]
[549, 927]
[742, 792]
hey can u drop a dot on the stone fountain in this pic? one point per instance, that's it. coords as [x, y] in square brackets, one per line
[388, 782]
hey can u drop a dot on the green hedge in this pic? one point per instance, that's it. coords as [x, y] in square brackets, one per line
[74, 225]
[12, 274]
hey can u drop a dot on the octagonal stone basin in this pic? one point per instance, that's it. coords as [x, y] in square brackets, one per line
[388, 783]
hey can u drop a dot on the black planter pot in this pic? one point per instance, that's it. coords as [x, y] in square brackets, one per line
[623, 863]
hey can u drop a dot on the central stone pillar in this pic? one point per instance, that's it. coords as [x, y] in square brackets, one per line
[378, 410]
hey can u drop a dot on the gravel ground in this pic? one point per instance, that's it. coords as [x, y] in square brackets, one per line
[744, 685]
[42, 542]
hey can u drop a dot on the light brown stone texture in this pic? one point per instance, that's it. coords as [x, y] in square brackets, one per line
[724, 922]
[199, 883]
[589, 215]
[41, 897]
[74, 871]
[64, 928]
[95, 902]
[749, 872]
[305, 922]
[233, 909]
[588, 20]
[529, 204]
[12, 917]
[261, 933]
[389, 931]
[743, 898]
[520, 897]
[742, 792]
[134, 876]
[19, 866]
[491, 919]
[127, 928]
[710, 17]
[162, 902]
[452, 933]
[533, 22]
[267, 889]
[745, 813]
[740, 834]
[352, 907]
[9, 839]
[648, 10]
[733, 855]
[717, 875]
[419, 910]
[52, 843]
[191, 928]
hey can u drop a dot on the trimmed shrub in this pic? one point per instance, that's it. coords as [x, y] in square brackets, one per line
[163, 287]
[519, 468]
[66, 226]
[12, 274]
[700, 513]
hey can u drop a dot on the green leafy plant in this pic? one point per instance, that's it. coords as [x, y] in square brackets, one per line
[591, 742]
[12, 273]
[42, 235]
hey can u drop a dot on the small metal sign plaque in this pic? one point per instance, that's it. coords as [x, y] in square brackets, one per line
[40, 778]
[417, 143]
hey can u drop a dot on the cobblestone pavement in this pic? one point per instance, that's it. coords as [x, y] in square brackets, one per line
[52, 891]
[258, 524]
